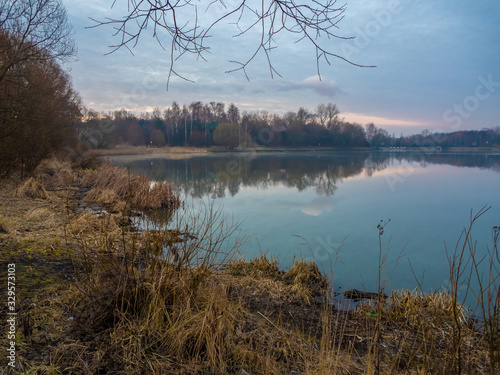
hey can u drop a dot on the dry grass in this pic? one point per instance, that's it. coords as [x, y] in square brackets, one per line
[104, 197]
[177, 328]
[138, 191]
[85, 222]
[306, 281]
[56, 173]
[157, 292]
[415, 308]
[38, 221]
[40, 213]
[33, 188]
[4, 225]
[303, 281]
[258, 267]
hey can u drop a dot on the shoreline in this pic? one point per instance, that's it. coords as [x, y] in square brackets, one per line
[195, 151]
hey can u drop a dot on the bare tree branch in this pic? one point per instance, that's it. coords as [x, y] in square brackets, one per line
[312, 21]
[37, 30]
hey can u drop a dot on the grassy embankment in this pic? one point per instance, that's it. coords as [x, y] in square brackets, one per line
[95, 296]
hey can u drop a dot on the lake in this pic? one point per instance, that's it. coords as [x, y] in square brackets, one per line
[325, 206]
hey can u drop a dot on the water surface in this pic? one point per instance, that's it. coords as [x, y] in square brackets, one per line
[311, 204]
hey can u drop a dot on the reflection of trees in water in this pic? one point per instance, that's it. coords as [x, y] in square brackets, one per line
[216, 175]
[377, 162]
[483, 161]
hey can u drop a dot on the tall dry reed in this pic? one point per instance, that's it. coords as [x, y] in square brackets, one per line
[138, 191]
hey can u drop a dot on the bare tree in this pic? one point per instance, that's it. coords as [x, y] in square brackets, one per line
[219, 112]
[327, 114]
[233, 113]
[37, 107]
[311, 20]
[34, 30]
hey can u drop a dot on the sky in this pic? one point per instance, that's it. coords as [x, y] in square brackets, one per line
[437, 66]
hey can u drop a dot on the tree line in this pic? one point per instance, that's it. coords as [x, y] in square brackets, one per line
[486, 137]
[205, 125]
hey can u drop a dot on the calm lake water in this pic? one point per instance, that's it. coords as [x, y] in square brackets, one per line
[309, 204]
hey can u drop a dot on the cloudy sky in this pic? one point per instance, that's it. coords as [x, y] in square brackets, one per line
[437, 66]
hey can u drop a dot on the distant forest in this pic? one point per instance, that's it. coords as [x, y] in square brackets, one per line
[204, 125]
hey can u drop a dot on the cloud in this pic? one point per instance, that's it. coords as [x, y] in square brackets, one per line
[321, 87]
[377, 120]
[317, 206]
[327, 88]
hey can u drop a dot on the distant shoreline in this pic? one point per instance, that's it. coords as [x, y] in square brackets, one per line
[198, 151]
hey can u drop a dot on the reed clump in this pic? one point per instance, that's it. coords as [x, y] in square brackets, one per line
[138, 191]
[88, 160]
[435, 309]
[103, 197]
[303, 280]
[106, 198]
[258, 267]
[33, 188]
[56, 173]
[306, 280]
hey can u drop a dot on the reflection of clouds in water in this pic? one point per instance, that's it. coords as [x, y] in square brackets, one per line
[317, 206]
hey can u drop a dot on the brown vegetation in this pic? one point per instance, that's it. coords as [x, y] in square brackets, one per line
[32, 188]
[109, 184]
